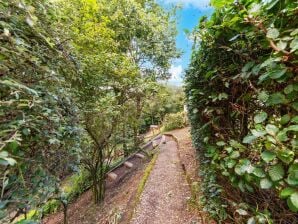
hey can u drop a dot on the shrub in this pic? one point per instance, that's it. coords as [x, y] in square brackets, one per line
[175, 121]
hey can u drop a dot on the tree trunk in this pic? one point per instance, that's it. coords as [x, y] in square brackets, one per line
[65, 218]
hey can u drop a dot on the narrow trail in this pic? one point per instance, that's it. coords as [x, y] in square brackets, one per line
[164, 199]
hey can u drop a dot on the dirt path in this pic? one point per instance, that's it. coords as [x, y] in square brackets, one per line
[164, 199]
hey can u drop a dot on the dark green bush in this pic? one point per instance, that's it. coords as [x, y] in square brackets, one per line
[242, 96]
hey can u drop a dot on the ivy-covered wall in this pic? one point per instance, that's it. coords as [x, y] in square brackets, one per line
[242, 96]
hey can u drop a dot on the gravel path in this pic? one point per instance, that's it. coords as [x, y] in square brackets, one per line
[164, 199]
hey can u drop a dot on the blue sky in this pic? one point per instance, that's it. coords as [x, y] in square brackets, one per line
[188, 18]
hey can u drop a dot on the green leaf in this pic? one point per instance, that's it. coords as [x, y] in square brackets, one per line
[220, 3]
[263, 96]
[285, 193]
[249, 139]
[259, 172]
[265, 183]
[282, 136]
[277, 73]
[276, 98]
[271, 129]
[268, 156]
[295, 119]
[293, 202]
[276, 172]
[285, 119]
[281, 45]
[294, 44]
[289, 89]
[258, 133]
[287, 156]
[244, 166]
[293, 178]
[272, 33]
[235, 155]
[260, 117]
[292, 128]
[220, 143]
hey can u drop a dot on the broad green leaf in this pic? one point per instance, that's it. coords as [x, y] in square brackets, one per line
[272, 33]
[276, 98]
[282, 136]
[277, 73]
[265, 183]
[295, 119]
[235, 155]
[281, 45]
[286, 192]
[271, 129]
[287, 156]
[276, 172]
[292, 128]
[294, 44]
[289, 89]
[249, 139]
[259, 172]
[285, 119]
[294, 200]
[268, 156]
[260, 117]
[258, 133]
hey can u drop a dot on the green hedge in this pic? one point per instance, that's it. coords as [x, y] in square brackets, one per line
[242, 96]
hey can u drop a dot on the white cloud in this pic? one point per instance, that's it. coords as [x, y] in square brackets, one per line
[176, 72]
[201, 4]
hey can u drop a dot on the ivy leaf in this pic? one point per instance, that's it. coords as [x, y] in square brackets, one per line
[268, 156]
[260, 117]
[265, 183]
[271, 129]
[276, 172]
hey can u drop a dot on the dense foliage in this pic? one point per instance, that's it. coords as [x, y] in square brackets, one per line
[242, 96]
[75, 78]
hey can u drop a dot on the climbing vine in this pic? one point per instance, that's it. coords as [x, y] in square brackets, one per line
[242, 96]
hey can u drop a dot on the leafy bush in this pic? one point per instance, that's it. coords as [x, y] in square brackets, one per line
[174, 121]
[242, 96]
